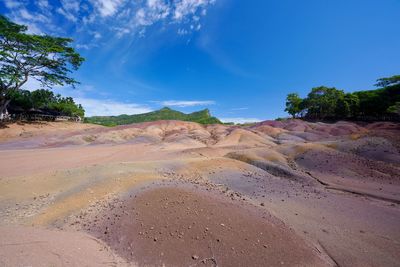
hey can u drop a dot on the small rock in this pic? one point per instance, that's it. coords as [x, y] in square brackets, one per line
[195, 257]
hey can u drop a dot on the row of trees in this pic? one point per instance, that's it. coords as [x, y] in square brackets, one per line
[324, 103]
[44, 101]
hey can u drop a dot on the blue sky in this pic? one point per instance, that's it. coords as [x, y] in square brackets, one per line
[238, 58]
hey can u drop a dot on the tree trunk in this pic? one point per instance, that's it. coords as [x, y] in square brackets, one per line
[3, 105]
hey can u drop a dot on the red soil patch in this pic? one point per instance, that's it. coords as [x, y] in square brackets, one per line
[179, 227]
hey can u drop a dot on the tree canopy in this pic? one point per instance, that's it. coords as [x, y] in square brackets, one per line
[293, 104]
[384, 82]
[331, 103]
[47, 59]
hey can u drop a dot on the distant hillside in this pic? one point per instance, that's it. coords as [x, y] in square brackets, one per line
[203, 117]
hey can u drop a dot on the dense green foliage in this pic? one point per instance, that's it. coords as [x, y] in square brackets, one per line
[202, 117]
[293, 104]
[330, 103]
[44, 58]
[395, 109]
[44, 101]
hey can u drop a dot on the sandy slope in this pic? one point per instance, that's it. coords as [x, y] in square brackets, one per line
[28, 246]
[278, 193]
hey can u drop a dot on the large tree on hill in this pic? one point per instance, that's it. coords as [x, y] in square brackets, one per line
[384, 82]
[44, 58]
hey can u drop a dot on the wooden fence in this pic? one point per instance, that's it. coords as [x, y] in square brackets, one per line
[37, 117]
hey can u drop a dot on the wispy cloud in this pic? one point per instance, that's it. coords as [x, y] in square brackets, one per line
[186, 103]
[187, 13]
[72, 6]
[240, 120]
[107, 7]
[238, 109]
[189, 7]
[68, 15]
[109, 17]
[43, 4]
[12, 3]
[86, 46]
[19, 13]
[97, 107]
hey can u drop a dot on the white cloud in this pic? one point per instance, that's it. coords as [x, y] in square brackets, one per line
[97, 107]
[97, 35]
[141, 18]
[93, 107]
[70, 9]
[240, 120]
[183, 32]
[20, 15]
[32, 17]
[183, 103]
[153, 11]
[158, 8]
[67, 14]
[11, 4]
[236, 109]
[87, 46]
[121, 31]
[83, 46]
[184, 8]
[43, 4]
[112, 18]
[185, 12]
[71, 5]
[89, 19]
[107, 8]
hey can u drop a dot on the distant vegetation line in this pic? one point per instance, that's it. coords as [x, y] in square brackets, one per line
[43, 101]
[202, 117]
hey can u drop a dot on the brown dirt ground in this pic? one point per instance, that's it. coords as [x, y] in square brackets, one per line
[201, 229]
[28, 246]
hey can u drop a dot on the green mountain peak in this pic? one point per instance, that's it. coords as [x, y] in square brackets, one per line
[165, 113]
